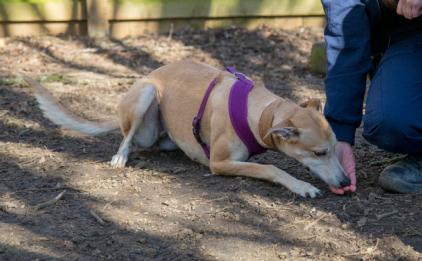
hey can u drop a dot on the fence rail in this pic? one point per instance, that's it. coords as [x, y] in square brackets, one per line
[119, 18]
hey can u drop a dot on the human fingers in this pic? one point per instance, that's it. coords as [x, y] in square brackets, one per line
[408, 8]
[347, 160]
[399, 9]
[416, 11]
[338, 191]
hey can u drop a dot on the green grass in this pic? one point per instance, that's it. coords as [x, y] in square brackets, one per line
[9, 81]
[29, 1]
[48, 78]
[55, 77]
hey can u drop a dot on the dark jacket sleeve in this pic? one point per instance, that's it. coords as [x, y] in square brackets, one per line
[347, 35]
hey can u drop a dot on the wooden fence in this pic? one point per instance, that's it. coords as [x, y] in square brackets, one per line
[119, 18]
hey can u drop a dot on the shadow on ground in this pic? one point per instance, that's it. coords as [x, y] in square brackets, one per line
[163, 206]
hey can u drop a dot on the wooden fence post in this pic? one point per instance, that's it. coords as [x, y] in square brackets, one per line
[97, 16]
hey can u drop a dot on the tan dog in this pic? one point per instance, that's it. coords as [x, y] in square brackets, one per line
[160, 107]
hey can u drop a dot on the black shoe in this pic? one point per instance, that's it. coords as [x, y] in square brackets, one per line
[404, 176]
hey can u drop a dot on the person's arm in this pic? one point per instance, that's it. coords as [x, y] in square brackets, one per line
[347, 35]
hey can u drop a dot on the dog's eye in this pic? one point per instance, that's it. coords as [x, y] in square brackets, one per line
[320, 153]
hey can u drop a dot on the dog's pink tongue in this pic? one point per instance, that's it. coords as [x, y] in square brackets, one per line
[341, 191]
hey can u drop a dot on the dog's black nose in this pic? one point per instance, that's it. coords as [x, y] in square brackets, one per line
[345, 182]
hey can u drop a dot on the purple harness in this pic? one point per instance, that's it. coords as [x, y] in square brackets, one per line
[238, 112]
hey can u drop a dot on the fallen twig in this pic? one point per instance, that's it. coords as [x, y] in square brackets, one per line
[50, 202]
[100, 220]
[381, 216]
[315, 222]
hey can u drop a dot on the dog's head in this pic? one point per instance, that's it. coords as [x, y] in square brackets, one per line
[303, 133]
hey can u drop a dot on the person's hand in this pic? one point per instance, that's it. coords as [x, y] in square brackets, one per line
[344, 153]
[409, 8]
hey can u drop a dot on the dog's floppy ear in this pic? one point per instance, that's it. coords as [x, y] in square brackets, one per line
[312, 103]
[287, 133]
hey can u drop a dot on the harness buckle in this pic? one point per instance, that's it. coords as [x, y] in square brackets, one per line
[238, 75]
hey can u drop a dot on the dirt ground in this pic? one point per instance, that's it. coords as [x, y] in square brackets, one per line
[163, 206]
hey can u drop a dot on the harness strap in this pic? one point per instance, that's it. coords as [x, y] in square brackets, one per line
[238, 112]
[196, 123]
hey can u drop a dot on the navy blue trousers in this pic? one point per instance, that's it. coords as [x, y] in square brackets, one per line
[393, 112]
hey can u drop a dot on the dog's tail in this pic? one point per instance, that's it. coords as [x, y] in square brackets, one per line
[61, 116]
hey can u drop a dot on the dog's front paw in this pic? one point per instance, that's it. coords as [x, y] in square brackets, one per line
[118, 161]
[306, 190]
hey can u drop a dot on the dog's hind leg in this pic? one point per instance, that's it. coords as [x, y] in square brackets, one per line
[138, 113]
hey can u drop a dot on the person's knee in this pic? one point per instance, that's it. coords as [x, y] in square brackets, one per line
[395, 133]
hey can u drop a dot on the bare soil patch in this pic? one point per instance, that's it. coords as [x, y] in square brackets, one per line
[163, 206]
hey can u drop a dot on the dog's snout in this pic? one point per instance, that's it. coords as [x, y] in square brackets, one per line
[345, 182]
